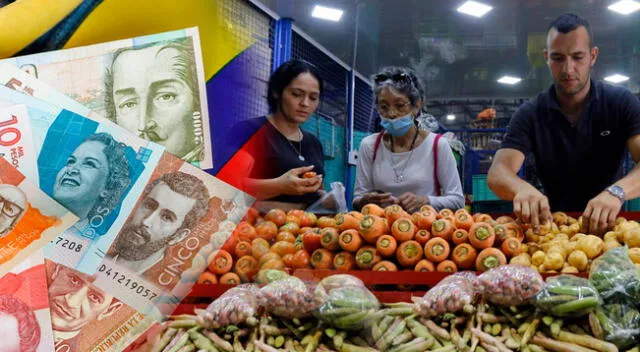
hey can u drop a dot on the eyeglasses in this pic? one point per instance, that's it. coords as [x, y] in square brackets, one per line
[398, 77]
[10, 209]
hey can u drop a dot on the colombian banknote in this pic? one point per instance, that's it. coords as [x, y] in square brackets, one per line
[165, 243]
[153, 86]
[86, 318]
[97, 170]
[25, 319]
[29, 218]
[16, 140]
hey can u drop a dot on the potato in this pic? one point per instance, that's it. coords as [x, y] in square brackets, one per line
[634, 255]
[632, 237]
[610, 244]
[611, 235]
[579, 260]
[553, 261]
[570, 270]
[521, 259]
[538, 258]
[591, 245]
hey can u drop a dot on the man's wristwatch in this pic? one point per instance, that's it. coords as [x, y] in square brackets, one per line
[617, 192]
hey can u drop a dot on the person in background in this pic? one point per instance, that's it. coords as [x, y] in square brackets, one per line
[577, 131]
[287, 163]
[404, 164]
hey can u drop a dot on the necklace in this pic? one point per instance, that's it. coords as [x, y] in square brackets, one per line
[400, 177]
[297, 150]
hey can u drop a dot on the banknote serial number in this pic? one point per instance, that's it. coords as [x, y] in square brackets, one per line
[70, 245]
[123, 280]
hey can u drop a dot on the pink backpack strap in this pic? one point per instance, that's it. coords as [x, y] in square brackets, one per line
[375, 147]
[435, 165]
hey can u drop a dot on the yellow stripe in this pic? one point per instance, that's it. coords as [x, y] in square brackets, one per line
[24, 21]
[120, 19]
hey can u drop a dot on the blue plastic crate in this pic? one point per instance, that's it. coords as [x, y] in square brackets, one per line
[633, 205]
[480, 189]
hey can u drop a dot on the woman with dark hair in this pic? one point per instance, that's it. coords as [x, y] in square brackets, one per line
[405, 164]
[287, 162]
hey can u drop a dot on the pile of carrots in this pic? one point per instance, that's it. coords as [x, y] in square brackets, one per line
[377, 239]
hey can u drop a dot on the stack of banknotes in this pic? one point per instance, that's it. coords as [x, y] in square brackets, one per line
[106, 214]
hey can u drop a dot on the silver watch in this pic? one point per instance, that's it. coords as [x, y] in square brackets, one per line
[617, 192]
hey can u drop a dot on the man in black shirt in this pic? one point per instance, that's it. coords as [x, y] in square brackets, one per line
[577, 131]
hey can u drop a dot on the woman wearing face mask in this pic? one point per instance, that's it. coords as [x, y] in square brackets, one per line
[285, 164]
[405, 165]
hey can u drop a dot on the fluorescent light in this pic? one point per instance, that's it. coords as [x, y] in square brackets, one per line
[451, 117]
[327, 13]
[617, 78]
[474, 8]
[509, 80]
[625, 7]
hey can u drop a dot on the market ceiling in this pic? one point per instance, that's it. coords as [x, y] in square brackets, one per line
[464, 56]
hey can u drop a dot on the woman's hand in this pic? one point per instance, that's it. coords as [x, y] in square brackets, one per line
[411, 202]
[292, 182]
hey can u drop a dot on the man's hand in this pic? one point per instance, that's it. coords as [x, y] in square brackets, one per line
[600, 214]
[531, 207]
[411, 202]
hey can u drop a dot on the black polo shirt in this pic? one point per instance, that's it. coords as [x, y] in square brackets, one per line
[576, 163]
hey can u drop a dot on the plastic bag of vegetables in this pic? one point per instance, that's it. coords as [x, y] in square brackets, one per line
[615, 276]
[620, 323]
[450, 295]
[509, 285]
[568, 296]
[232, 308]
[348, 307]
[288, 298]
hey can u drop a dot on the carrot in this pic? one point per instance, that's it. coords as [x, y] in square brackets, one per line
[511, 247]
[292, 219]
[301, 259]
[329, 239]
[207, 278]
[463, 221]
[325, 221]
[267, 230]
[386, 245]
[267, 257]
[220, 262]
[246, 267]
[461, 211]
[277, 216]
[245, 232]
[321, 259]
[464, 255]
[277, 264]
[356, 214]
[425, 266]
[372, 227]
[295, 213]
[409, 253]
[259, 247]
[287, 259]
[385, 265]
[424, 219]
[447, 266]
[251, 216]
[350, 240]
[403, 229]
[367, 257]
[481, 235]
[460, 236]
[428, 208]
[394, 212]
[292, 227]
[242, 248]
[437, 249]
[308, 219]
[445, 212]
[286, 236]
[504, 219]
[387, 225]
[230, 279]
[501, 232]
[484, 218]
[230, 244]
[515, 231]
[422, 236]
[283, 248]
[490, 258]
[344, 261]
[442, 228]
[477, 216]
[346, 221]
[372, 209]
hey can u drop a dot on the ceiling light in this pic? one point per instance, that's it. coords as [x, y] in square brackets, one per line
[327, 13]
[625, 7]
[617, 78]
[451, 117]
[474, 8]
[509, 80]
